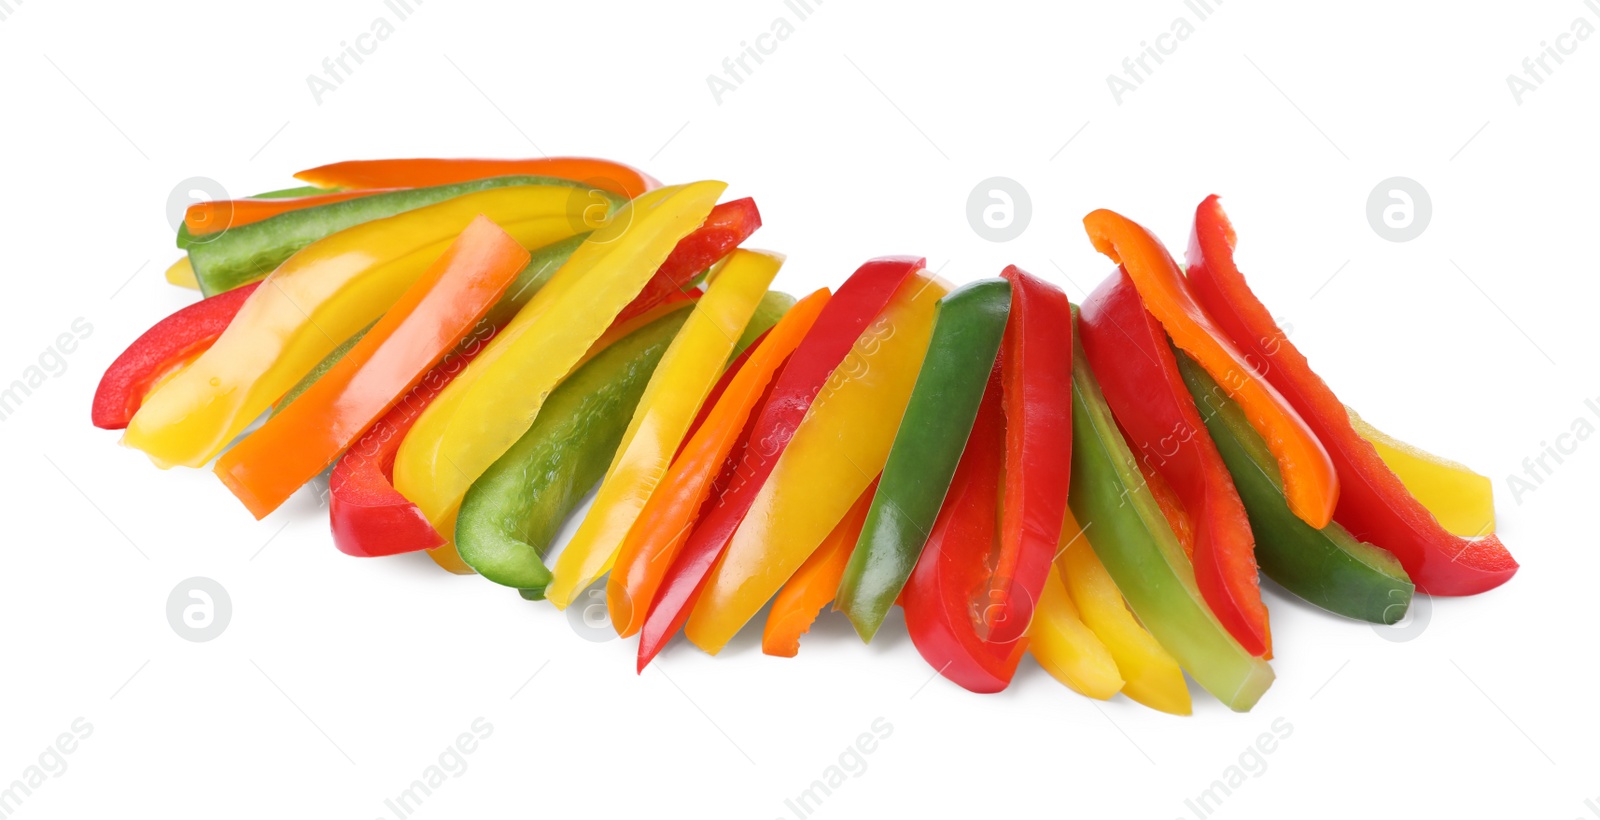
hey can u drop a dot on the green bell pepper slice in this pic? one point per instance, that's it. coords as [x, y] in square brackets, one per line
[512, 512]
[968, 326]
[1132, 538]
[244, 254]
[185, 238]
[1327, 567]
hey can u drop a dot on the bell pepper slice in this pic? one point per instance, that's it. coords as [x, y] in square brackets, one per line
[181, 273]
[829, 341]
[1374, 506]
[968, 326]
[606, 175]
[325, 294]
[1308, 471]
[813, 585]
[1150, 675]
[837, 450]
[1139, 378]
[429, 319]
[247, 253]
[680, 383]
[368, 516]
[1137, 547]
[1327, 567]
[187, 238]
[1066, 648]
[488, 407]
[1462, 500]
[217, 215]
[664, 524]
[1036, 392]
[938, 599]
[511, 514]
[158, 353]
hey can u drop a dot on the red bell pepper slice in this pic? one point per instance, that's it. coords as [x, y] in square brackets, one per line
[1036, 395]
[1138, 373]
[938, 599]
[416, 173]
[160, 351]
[859, 300]
[727, 227]
[1373, 504]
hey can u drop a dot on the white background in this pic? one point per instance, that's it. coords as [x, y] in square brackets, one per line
[339, 680]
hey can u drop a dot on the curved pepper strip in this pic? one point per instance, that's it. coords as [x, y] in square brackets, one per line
[838, 449]
[1462, 500]
[1308, 472]
[667, 518]
[1139, 377]
[830, 339]
[1374, 506]
[181, 273]
[967, 330]
[688, 371]
[813, 585]
[160, 352]
[938, 599]
[1036, 392]
[369, 516]
[217, 215]
[1150, 675]
[513, 511]
[245, 254]
[487, 408]
[606, 175]
[330, 290]
[1071, 652]
[1137, 547]
[429, 319]
[1326, 567]
[185, 238]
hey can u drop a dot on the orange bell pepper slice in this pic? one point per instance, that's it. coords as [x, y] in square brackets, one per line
[209, 217]
[814, 584]
[416, 173]
[1310, 482]
[667, 518]
[428, 321]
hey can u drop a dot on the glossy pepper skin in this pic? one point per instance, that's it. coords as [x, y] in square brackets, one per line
[487, 408]
[249, 252]
[827, 343]
[686, 374]
[813, 585]
[1374, 506]
[1036, 394]
[203, 219]
[838, 449]
[1462, 500]
[614, 177]
[185, 238]
[1308, 472]
[159, 353]
[938, 599]
[968, 326]
[330, 290]
[1327, 567]
[1139, 377]
[514, 510]
[1066, 648]
[664, 524]
[429, 320]
[1138, 549]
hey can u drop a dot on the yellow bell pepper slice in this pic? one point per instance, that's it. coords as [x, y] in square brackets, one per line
[182, 274]
[496, 398]
[688, 370]
[316, 299]
[1066, 648]
[839, 447]
[1459, 498]
[1150, 675]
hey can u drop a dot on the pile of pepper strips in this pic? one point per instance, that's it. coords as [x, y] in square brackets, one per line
[473, 345]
